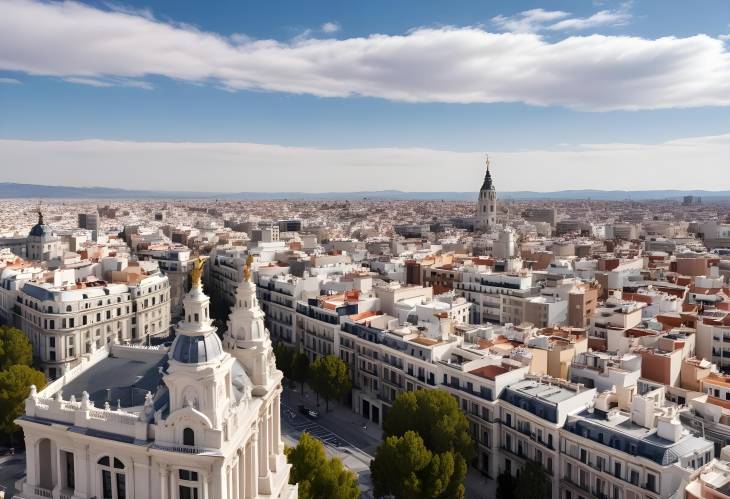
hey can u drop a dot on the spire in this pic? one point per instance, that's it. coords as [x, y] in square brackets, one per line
[40, 215]
[487, 185]
[246, 338]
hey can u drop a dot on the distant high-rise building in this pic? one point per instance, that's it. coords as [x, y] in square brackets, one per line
[290, 225]
[486, 218]
[89, 221]
[690, 200]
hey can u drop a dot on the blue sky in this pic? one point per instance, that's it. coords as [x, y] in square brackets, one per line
[411, 101]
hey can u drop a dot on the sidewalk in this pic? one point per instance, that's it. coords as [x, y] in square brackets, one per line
[340, 419]
[345, 435]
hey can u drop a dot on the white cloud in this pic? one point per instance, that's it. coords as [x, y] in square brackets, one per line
[534, 20]
[528, 21]
[10, 81]
[109, 82]
[330, 27]
[447, 64]
[236, 167]
[87, 81]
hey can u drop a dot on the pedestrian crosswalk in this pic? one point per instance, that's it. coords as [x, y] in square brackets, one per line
[302, 424]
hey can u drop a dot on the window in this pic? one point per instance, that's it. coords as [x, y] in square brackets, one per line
[188, 436]
[188, 484]
[70, 476]
[651, 482]
[634, 477]
[113, 478]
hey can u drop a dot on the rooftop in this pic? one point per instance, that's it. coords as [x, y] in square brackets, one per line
[123, 381]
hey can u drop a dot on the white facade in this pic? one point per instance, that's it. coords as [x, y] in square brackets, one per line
[64, 322]
[211, 429]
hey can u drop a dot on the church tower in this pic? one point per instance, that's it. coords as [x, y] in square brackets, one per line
[247, 338]
[486, 217]
[199, 372]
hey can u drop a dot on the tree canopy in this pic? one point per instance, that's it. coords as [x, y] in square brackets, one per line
[15, 384]
[15, 349]
[300, 369]
[284, 356]
[403, 467]
[330, 378]
[316, 475]
[434, 417]
[533, 482]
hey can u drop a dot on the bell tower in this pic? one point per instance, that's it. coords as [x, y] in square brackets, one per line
[486, 216]
[247, 338]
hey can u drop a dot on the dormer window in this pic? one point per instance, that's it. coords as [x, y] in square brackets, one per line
[188, 436]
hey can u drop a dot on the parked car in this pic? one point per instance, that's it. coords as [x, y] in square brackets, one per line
[309, 412]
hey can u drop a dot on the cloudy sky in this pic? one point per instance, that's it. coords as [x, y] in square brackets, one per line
[338, 96]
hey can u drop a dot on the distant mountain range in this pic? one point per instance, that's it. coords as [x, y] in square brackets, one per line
[16, 191]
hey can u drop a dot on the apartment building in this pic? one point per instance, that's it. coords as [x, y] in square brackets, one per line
[278, 295]
[69, 320]
[532, 413]
[611, 320]
[642, 451]
[497, 297]
[174, 262]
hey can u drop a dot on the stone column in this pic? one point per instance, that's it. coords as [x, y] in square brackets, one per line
[234, 480]
[164, 482]
[32, 458]
[242, 483]
[263, 447]
[251, 458]
[279, 445]
[272, 438]
[206, 477]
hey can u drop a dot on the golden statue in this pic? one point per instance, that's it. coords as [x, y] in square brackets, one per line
[247, 268]
[197, 272]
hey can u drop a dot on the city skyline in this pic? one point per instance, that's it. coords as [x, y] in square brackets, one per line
[563, 95]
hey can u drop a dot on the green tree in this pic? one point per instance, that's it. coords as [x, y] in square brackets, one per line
[332, 481]
[318, 477]
[435, 416]
[284, 356]
[330, 377]
[403, 467]
[15, 384]
[300, 369]
[14, 348]
[533, 482]
[307, 457]
[506, 485]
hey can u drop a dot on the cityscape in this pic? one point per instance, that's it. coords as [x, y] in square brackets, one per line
[341, 251]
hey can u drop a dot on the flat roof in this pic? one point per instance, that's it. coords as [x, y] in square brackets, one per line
[544, 391]
[119, 380]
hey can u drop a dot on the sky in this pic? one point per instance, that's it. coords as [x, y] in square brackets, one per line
[350, 95]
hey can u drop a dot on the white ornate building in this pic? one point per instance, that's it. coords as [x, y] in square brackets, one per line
[198, 421]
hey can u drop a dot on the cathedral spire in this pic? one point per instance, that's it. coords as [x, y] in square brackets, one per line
[487, 185]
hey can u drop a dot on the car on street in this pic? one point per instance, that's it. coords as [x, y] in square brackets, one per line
[308, 411]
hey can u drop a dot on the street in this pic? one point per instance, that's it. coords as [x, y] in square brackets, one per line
[353, 439]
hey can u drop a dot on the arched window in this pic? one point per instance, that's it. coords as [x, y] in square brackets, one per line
[188, 436]
[113, 478]
[68, 308]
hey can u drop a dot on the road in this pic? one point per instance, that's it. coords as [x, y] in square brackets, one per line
[354, 440]
[343, 433]
[11, 469]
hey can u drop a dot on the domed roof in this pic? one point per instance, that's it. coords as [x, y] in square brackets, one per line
[40, 229]
[196, 349]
